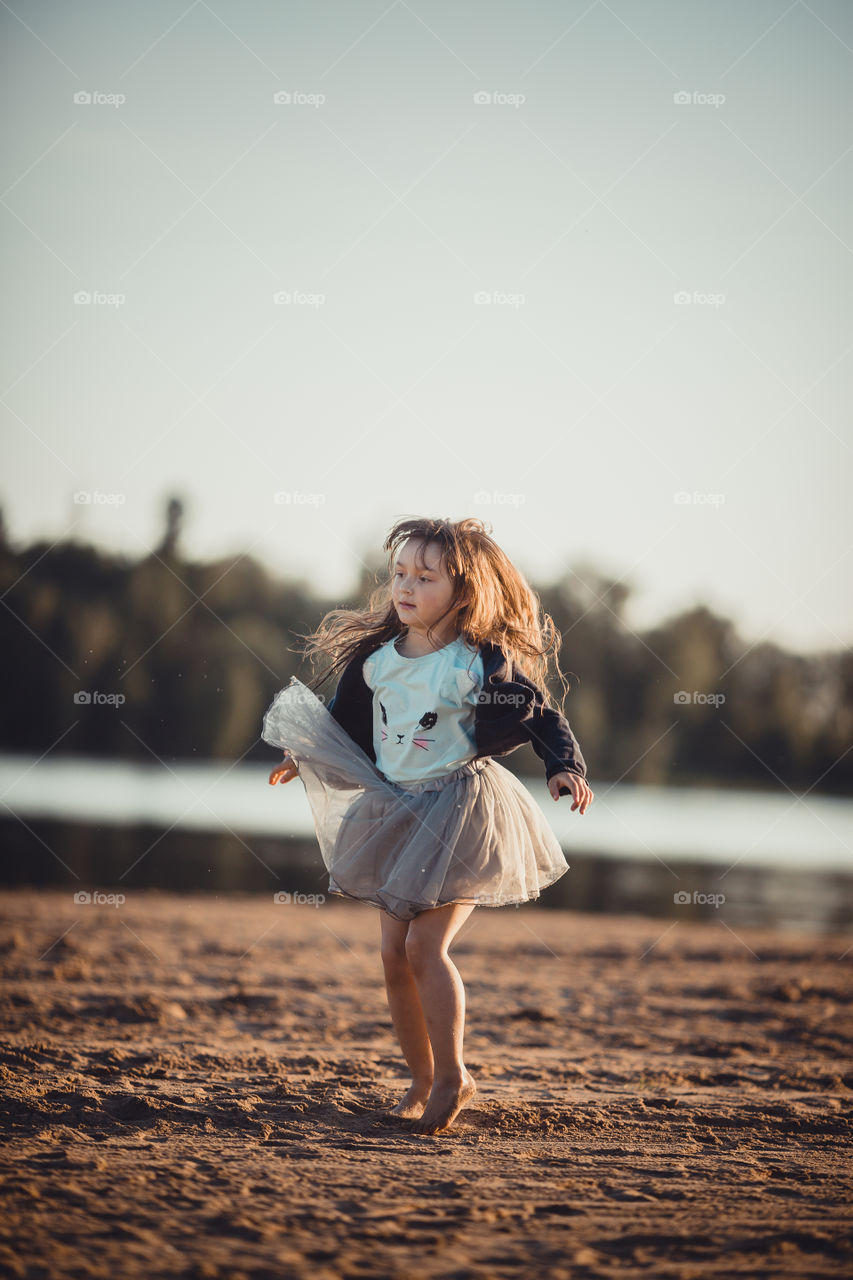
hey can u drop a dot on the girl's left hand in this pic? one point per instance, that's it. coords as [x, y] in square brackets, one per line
[579, 788]
[285, 771]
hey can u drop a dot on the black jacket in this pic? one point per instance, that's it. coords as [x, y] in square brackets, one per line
[510, 711]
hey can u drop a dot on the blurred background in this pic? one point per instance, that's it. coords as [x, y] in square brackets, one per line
[278, 275]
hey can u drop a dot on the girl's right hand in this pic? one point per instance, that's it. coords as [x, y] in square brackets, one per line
[285, 771]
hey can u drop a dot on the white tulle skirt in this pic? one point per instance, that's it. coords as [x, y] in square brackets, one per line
[475, 835]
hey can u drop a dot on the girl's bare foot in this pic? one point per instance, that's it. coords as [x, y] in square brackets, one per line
[413, 1101]
[446, 1100]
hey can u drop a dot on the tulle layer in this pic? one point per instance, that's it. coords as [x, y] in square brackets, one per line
[474, 835]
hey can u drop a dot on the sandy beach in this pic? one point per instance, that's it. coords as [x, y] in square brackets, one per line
[197, 1087]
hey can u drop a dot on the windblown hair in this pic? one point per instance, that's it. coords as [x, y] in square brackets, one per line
[501, 607]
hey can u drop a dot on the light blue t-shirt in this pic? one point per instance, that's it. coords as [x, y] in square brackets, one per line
[423, 709]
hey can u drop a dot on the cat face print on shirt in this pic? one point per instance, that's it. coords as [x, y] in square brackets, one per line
[423, 709]
[419, 736]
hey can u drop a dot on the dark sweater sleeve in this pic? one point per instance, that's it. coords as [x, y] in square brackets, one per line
[550, 733]
[352, 706]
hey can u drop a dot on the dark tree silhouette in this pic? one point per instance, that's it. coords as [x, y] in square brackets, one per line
[197, 651]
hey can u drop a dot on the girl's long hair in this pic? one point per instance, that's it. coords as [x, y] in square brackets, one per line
[501, 607]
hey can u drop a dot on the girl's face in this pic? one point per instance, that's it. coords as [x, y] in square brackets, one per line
[422, 591]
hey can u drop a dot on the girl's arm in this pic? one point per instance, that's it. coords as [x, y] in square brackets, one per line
[352, 706]
[549, 732]
[552, 739]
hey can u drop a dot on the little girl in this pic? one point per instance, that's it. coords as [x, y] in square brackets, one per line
[440, 673]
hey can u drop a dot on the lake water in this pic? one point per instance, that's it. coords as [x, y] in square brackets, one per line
[739, 858]
[711, 825]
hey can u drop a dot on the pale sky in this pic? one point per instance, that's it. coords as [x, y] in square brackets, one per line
[383, 202]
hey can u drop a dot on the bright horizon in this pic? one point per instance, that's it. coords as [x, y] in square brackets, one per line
[622, 279]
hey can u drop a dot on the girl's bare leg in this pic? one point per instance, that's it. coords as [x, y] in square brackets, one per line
[407, 1016]
[442, 999]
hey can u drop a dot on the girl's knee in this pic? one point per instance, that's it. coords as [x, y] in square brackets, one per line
[422, 949]
[392, 946]
[394, 958]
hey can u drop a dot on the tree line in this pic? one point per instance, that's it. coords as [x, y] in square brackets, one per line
[163, 658]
